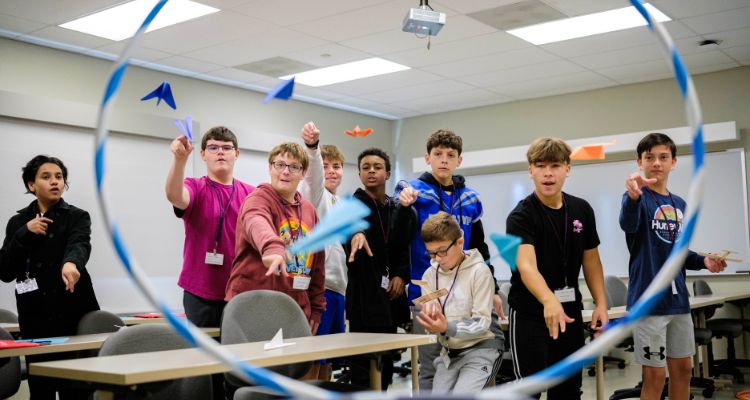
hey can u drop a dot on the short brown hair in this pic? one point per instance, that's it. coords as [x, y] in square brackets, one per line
[294, 150]
[445, 138]
[331, 153]
[220, 133]
[441, 226]
[548, 149]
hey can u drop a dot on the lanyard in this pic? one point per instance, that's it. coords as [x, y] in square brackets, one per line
[384, 229]
[222, 209]
[455, 276]
[672, 233]
[564, 244]
[299, 229]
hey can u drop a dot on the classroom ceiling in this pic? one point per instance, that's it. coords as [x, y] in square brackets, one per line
[469, 64]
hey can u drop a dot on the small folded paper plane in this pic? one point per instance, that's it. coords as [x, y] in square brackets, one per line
[163, 92]
[282, 91]
[358, 132]
[724, 255]
[507, 245]
[186, 128]
[593, 151]
[277, 341]
[430, 296]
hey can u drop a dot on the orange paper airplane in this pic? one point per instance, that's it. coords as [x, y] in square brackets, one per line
[590, 151]
[358, 132]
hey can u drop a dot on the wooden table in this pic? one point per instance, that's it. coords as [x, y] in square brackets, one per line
[12, 327]
[74, 343]
[134, 369]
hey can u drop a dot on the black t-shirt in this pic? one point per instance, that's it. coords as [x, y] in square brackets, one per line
[542, 227]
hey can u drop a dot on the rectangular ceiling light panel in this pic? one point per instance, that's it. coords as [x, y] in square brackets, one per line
[121, 22]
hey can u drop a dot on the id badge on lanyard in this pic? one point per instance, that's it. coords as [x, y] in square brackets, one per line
[565, 295]
[27, 285]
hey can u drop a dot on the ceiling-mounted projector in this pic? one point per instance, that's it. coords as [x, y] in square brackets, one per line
[423, 20]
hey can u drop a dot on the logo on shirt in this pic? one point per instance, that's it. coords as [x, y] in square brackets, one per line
[667, 223]
[290, 230]
[577, 226]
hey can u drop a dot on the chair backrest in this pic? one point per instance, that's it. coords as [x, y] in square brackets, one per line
[157, 337]
[701, 288]
[10, 371]
[616, 291]
[504, 298]
[256, 316]
[8, 316]
[99, 321]
[505, 288]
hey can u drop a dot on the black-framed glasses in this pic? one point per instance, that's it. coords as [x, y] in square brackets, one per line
[280, 166]
[214, 148]
[443, 252]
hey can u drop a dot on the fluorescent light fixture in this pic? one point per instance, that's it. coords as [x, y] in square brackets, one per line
[121, 22]
[346, 72]
[586, 25]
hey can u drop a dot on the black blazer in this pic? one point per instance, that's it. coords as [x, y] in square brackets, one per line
[50, 310]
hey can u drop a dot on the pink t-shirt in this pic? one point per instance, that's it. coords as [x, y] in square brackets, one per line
[208, 200]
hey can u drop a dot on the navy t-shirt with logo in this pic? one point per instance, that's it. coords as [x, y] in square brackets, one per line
[652, 224]
[546, 229]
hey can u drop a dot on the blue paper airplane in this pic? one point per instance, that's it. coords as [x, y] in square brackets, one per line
[282, 91]
[342, 221]
[186, 128]
[507, 245]
[163, 92]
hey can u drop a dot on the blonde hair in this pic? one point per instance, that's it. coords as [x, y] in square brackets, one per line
[294, 150]
[441, 226]
[331, 153]
[548, 149]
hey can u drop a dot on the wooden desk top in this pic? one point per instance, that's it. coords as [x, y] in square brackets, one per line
[139, 368]
[74, 343]
[12, 327]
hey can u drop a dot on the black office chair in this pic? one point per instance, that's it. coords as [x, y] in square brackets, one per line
[10, 371]
[729, 328]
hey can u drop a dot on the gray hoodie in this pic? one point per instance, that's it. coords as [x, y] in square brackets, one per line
[469, 306]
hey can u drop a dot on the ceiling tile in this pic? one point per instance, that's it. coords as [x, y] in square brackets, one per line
[739, 53]
[294, 12]
[140, 52]
[67, 36]
[382, 43]
[18, 24]
[54, 12]
[614, 41]
[470, 6]
[238, 75]
[429, 89]
[383, 82]
[706, 58]
[632, 72]
[630, 55]
[737, 37]
[689, 8]
[189, 64]
[208, 30]
[327, 55]
[555, 85]
[428, 102]
[316, 92]
[526, 73]
[256, 47]
[460, 27]
[459, 50]
[714, 67]
[581, 7]
[355, 23]
[723, 21]
[493, 62]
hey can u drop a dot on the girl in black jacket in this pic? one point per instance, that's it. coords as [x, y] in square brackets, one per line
[45, 251]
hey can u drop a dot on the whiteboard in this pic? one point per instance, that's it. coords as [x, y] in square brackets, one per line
[724, 217]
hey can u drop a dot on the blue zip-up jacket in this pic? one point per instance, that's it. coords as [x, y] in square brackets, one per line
[652, 224]
[463, 203]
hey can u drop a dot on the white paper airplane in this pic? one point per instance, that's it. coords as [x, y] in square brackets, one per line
[277, 341]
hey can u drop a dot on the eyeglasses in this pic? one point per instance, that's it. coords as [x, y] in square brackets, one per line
[441, 253]
[214, 148]
[280, 166]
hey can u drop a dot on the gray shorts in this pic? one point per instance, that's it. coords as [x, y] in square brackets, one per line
[660, 336]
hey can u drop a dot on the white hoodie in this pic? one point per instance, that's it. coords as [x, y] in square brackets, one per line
[469, 306]
[314, 190]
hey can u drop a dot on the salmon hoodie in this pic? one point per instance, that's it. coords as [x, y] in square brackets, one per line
[265, 226]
